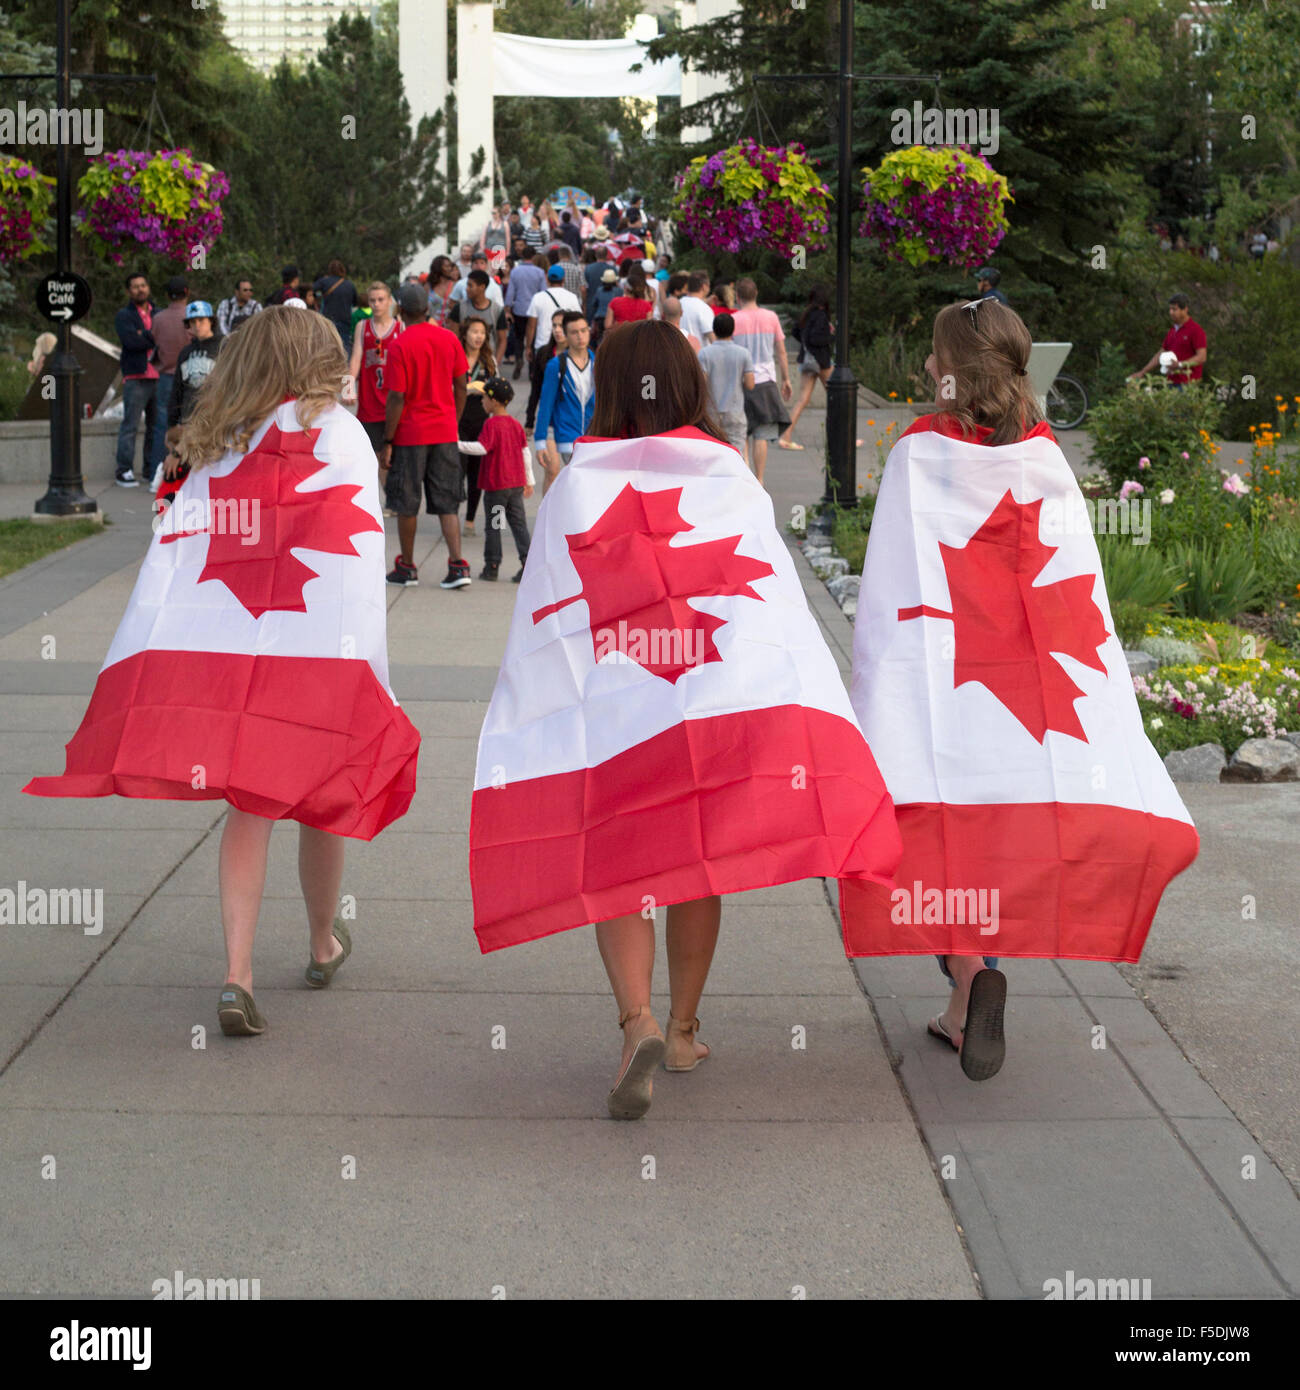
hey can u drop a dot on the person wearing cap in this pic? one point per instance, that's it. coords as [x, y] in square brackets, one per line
[986, 281]
[195, 361]
[425, 376]
[545, 302]
[606, 293]
[505, 475]
[170, 336]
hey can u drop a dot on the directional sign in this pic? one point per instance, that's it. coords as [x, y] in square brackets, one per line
[63, 298]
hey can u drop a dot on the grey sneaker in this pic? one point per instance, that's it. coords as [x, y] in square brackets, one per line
[319, 974]
[238, 1014]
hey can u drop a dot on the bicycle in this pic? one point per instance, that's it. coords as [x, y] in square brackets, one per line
[1067, 403]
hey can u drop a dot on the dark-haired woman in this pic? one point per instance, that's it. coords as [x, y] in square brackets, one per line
[667, 752]
[482, 365]
[814, 332]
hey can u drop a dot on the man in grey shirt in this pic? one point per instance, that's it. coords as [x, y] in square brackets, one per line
[730, 372]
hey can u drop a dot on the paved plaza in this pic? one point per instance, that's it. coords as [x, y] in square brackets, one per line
[434, 1124]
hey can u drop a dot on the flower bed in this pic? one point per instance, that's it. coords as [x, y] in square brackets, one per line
[165, 201]
[944, 204]
[1226, 703]
[753, 195]
[25, 199]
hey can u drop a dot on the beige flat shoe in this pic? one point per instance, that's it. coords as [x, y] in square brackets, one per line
[679, 1032]
[630, 1098]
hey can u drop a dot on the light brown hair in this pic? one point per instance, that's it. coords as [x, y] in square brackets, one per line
[981, 351]
[283, 351]
[650, 351]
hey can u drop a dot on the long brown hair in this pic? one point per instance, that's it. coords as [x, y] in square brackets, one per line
[486, 357]
[981, 351]
[636, 282]
[648, 381]
[283, 351]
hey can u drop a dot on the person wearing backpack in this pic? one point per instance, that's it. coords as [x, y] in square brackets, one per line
[337, 297]
[568, 397]
[813, 332]
[538, 333]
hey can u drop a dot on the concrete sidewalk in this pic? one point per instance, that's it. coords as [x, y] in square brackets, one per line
[479, 1165]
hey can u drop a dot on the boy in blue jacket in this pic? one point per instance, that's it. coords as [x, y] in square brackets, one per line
[568, 396]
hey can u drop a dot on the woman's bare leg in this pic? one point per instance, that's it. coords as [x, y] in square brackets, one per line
[241, 874]
[963, 969]
[320, 872]
[691, 938]
[805, 395]
[627, 947]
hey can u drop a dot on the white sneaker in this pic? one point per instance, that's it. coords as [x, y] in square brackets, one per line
[126, 479]
[157, 478]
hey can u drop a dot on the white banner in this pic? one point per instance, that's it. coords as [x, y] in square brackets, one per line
[530, 67]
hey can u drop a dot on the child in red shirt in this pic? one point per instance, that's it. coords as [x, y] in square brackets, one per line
[505, 476]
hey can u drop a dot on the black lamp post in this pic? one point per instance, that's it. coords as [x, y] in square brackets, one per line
[842, 389]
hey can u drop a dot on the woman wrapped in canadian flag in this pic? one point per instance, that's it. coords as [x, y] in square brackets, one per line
[1037, 819]
[668, 724]
[251, 664]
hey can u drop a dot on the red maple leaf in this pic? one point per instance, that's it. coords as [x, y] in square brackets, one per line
[262, 493]
[1006, 628]
[637, 585]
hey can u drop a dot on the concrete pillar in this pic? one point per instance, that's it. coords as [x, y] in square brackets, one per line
[422, 57]
[696, 86]
[474, 108]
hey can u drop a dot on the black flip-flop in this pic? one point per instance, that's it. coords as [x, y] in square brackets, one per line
[983, 1044]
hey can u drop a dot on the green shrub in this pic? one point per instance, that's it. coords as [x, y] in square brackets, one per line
[1130, 622]
[1278, 559]
[851, 527]
[1169, 651]
[1137, 574]
[14, 381]
[1213, 641]
[1159, 423]
[1219, 581]
[1108, 376]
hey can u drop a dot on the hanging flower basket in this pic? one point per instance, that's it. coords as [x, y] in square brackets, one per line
[25, 198]
[944, 204]
[164, 201]
[753, 195]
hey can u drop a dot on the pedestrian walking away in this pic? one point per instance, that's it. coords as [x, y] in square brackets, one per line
[813, 332]
[337, 297]
[603, 812]
[760, 333]
[315, 738]
[979, 772]
[506, 474]
[426, 374]
[134, 326]
[729, 369]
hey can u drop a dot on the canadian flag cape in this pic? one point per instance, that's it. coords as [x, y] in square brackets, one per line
[668, 722]
[251, 663]
[1037, 819]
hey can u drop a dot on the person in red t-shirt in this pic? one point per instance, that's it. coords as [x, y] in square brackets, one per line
[1186, 340]
[425, 373]
[634, 304]
[505, 475]
[371, 340]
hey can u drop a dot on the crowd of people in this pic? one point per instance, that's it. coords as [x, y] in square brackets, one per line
[428, 364]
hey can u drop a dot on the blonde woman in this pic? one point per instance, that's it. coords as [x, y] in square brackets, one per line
[253, 668]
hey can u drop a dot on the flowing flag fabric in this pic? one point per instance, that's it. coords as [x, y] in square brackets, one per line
[251, 663]
[1037, 819]
[668, 722]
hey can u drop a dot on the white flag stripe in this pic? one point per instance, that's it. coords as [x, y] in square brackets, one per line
[556, 709]
[963, 746]
[346, 612]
